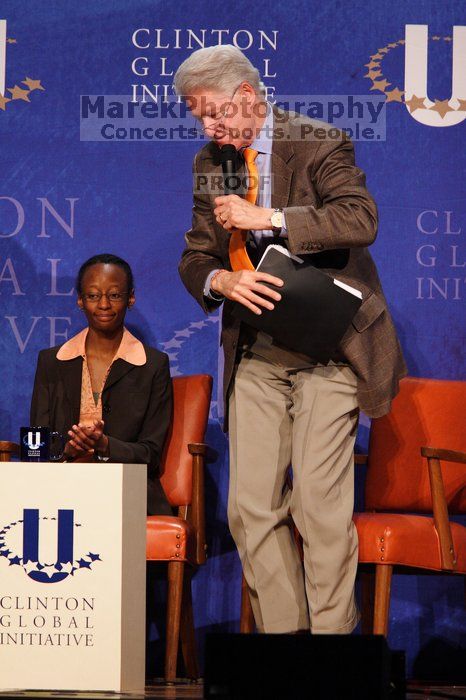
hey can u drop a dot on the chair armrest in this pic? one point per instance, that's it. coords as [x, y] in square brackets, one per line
[446, 455]
[198, 452]
[7, 450]
[439, 504]
[360, 458]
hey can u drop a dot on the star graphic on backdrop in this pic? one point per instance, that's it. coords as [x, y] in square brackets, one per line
[372, 64]
[394, 95]
[377, 56]
[11, 41]
[393, 45]
[415, 103]
[447, 38]
[15, 560]
[373, 74]
[441, 107]
[84, 564]
[462, 106]
[94, 557]
[380, 85]
[172, 344]
[197, 324]
[436, 38]
[383, 50]
[33, 84]
[185, 333]
[18, 93]
[402, 41]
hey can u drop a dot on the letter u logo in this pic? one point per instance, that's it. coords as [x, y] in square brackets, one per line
[33, 442]
[416, 76]
[31, 545]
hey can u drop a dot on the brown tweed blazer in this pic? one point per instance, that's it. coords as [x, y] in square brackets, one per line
[330, 215]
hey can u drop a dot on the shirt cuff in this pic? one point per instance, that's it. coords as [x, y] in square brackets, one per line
[208, 293]
[284, 232]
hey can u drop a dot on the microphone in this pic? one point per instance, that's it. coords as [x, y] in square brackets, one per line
[228, 159]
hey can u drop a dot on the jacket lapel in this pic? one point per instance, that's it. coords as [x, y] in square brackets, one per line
[71, 373]
[117, 371]
[282, 152]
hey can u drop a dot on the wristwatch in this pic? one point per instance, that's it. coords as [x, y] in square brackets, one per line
[277, 221]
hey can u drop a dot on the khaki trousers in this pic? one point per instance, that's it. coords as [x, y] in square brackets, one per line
[308, 418]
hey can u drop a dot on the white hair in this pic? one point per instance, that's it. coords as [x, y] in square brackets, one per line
[220, 68]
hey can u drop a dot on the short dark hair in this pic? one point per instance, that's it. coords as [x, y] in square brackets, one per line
[105, 259]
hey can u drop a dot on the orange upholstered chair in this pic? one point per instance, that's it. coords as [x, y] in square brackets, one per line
[416, 477]
[180, 540]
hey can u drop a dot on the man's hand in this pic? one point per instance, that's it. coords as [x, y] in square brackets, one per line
[245, 287]
[232, 212]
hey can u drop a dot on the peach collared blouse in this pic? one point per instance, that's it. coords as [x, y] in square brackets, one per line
[131, 350]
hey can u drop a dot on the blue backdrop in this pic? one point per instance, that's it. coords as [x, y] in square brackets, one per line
[64, 198]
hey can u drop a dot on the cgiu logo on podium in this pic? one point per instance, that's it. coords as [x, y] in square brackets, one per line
[82, 528]
[47, 545]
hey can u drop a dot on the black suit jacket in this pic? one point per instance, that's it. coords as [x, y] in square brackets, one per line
[136, 409]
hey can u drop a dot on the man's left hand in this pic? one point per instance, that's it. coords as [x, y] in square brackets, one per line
[233, 212]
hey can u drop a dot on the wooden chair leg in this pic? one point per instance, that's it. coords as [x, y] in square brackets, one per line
[175, 597]
[383, 580]
[246, 624]
[188, 639]
[367, 601]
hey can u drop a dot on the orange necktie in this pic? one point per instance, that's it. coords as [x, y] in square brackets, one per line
[239, 257]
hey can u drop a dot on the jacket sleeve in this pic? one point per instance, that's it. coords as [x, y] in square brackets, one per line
[148, 447]
[348, 215]
[40, 402]
[201, 255]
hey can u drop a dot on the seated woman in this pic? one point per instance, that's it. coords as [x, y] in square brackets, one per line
[109, 394]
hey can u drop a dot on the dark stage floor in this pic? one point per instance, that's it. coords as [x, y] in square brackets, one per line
[159, 690]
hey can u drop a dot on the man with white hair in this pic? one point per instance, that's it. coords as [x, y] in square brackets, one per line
[283, 407]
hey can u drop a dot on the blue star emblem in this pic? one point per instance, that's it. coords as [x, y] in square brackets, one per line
[15, 560]
[94, 557]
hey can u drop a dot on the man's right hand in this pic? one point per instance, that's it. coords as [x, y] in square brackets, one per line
[245, 287]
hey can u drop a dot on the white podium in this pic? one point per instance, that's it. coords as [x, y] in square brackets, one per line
[72, 576]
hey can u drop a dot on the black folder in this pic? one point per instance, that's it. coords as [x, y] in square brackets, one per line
[314, 311]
